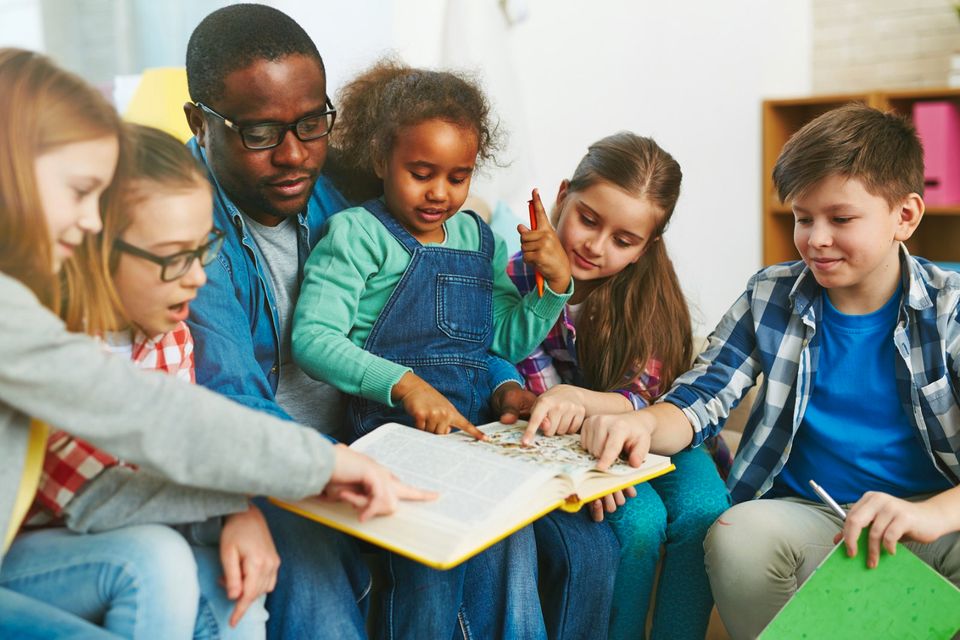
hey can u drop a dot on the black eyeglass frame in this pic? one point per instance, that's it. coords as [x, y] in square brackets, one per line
[201, 252]
[282, 127]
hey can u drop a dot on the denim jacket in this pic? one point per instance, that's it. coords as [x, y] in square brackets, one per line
[773, 329]
[234, 319]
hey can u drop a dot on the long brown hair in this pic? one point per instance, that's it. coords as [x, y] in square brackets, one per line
[639, 313]
[42, 107]
[151, 162]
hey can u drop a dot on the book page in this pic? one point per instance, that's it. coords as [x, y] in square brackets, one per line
[473, 482]
[561, 453]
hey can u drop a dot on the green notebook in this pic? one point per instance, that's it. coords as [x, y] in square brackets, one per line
[902, 598]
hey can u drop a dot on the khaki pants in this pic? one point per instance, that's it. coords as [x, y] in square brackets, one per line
[758, 553]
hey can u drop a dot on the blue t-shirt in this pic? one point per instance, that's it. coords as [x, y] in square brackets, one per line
[855, 436]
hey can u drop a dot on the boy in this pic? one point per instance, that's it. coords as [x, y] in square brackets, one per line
[858, 345]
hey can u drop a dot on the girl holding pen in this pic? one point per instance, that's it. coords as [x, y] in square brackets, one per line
[622, 338]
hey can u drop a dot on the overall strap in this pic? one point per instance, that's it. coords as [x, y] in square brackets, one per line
[487, 244]
[377, 207]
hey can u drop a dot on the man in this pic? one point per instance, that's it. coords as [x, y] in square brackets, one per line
[260, 115]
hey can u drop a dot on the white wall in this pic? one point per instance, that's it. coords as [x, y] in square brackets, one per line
[21, 24]
[691, 73]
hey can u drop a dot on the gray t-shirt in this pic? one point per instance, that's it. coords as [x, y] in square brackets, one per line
[308, 401]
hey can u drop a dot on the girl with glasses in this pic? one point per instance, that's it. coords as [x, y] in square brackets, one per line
[59, 147]
[145, 267]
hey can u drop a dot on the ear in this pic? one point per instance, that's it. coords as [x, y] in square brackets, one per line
[196, 122]
[647, 246]
[562, 192]
[380, 167]
[910, 212]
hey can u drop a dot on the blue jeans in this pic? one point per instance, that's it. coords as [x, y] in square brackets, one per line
[323, 583]
[135, 582]
[25, 618]
[492, 595]
[578, 564]
[674, 511]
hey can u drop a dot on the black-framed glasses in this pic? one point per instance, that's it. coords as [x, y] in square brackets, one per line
[267, 135]
[177, 265]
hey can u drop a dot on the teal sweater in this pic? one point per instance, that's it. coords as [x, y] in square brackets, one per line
[350, 276]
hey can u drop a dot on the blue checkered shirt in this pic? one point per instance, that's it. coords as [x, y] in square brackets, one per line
[772, 330]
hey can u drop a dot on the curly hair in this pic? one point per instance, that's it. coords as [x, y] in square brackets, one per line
[389, 96]
[233, 38]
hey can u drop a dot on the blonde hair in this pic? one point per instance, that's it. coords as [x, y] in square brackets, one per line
[640, 313]
[42, 107]
[152, 162]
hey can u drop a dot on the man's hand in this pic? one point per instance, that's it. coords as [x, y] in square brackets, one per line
[249, 559]
[511, 402]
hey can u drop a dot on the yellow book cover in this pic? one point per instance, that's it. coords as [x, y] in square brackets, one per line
[487, 489]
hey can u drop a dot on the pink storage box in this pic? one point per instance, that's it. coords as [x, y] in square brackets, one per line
[938, 125]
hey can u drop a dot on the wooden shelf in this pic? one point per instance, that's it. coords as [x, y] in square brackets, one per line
[937, 237]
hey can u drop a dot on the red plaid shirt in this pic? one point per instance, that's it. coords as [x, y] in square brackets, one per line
[71, 462]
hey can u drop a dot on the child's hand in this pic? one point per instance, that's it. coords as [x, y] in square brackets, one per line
[368, 486]
[430, 410]
[250, 561]
[890, 519]
[610, 502]
[542, 249]
[511, 402]
[607, 436]
[558, 410]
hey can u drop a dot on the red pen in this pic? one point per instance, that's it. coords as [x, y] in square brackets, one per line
[533, 227]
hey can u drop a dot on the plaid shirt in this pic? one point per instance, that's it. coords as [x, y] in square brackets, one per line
[555, 360]
[71, 462]
[772, 330]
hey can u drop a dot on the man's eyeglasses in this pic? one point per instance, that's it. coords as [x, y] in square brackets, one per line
[177, 265]
[267, 135]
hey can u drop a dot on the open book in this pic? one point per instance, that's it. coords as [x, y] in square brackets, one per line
[487, 490]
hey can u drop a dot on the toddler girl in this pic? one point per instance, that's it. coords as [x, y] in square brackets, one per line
[403, 298]
[402, 302]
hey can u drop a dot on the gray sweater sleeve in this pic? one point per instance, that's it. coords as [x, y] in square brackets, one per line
[185, 433]
[121, 496]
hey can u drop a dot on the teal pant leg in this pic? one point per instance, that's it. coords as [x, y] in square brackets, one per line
[677, 510]
[641, 527]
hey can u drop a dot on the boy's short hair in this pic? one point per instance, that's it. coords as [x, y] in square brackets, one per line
[236, 36]
[880, 149]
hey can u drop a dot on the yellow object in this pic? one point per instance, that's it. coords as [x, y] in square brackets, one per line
[488, 490]
[158, 101]
[32, 466]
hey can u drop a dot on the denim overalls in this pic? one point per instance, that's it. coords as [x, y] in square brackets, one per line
[438, 322]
